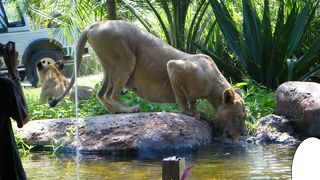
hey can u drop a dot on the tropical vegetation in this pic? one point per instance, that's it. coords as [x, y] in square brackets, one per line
[270, 41]
[272, 51]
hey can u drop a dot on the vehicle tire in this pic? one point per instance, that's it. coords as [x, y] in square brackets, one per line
[44, 54]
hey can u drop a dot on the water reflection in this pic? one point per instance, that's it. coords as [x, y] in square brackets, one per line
[212, 162]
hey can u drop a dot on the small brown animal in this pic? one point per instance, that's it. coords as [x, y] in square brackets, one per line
[54, 83]
[157, 72]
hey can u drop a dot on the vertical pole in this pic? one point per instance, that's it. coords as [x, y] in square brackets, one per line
[172, 168]
[76, 88]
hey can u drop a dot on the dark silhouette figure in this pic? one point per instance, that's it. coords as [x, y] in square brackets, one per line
[12, 105]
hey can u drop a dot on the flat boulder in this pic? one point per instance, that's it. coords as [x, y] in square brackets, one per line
[300, 101]
[138, 132]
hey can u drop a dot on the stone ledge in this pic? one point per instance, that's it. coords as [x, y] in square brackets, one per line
[139, 132]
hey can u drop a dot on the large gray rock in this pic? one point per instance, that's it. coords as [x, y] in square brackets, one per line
[273, 129]
[140, 132]
[300, 101]
[276, 123]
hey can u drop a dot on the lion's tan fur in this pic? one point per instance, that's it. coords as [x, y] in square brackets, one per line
[153, 70]
[52, 81]
[200, 78]
[55, 83]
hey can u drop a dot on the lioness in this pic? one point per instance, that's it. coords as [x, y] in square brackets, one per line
[54, 83]
[157, 72]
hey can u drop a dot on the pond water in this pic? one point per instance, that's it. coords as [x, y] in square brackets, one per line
[212, 162]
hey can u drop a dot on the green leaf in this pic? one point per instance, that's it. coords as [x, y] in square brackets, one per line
[310, 73]
[211, 32]
[193, 22]
[299, 29]
[267, 42]
[228, 28]
[196, 31]
[163, 26]
[166, 9]
[143, 21]
[241, 84]
[308, 59]
[251, 26]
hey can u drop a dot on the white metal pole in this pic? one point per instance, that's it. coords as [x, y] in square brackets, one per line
[76, 87]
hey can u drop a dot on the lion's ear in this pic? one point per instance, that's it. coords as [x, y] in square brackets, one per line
[59, 65]
[229, 96]
[238, 91]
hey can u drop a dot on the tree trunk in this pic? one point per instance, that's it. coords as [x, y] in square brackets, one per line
[111, 8]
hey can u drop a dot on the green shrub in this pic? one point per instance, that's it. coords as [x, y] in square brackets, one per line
[259, 102]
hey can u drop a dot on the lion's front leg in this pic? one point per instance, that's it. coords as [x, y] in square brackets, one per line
[182, 102]
[186, 108]
[43, 96]
[175, 71]
[193, 108]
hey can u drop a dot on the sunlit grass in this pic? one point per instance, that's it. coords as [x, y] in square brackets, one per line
[66, 108]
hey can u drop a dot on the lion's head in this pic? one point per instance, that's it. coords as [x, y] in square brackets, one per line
[46, 68]
[231, 114]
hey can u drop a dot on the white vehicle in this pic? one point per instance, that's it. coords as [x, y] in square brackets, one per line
[32, 45]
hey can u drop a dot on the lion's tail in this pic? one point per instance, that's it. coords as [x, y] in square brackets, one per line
[79, 53]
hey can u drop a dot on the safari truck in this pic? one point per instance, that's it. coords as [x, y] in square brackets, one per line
[33, 45]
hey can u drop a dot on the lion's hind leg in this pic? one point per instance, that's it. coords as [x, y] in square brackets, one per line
[101, 95]
[118, 76]
[113, 95]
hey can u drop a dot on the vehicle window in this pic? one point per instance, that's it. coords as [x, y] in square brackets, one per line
[3, 25]
[2, 22]
[14, 15]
